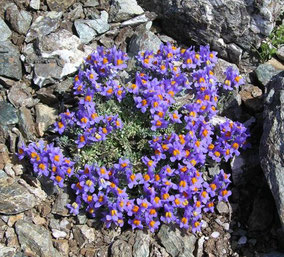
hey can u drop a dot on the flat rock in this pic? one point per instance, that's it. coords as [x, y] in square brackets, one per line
[45, 116]
[59, 206]
[65, 45]
[272, 141]
[5, 32]
[252, 97]
[7, 251]
[17, 196]
[10, 64]
[20, 20]
[8, 114]
[141, 247]
[122, 10]
[44, 25]
[175, 243]
[88, 29]
[35, 238]
[20, 95]
[59, 5]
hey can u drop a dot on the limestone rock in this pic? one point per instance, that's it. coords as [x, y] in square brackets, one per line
[44, 25]
[20, 20]
[35, 238]
[175, 243]
[272, 141]
[17, 196]
[122, 10]
[5, 32]
[88, 29]
[10, 64]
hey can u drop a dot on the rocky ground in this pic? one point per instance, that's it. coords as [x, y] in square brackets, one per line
[42, 43]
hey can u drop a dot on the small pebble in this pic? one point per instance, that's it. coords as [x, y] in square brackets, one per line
[58, 234]
[242, 240]
[215, 234]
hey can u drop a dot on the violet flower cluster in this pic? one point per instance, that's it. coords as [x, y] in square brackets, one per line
[170, 188]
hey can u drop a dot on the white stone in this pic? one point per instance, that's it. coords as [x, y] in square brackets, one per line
[5, 32]
[35, 4]
[215, 234]
[58, 234]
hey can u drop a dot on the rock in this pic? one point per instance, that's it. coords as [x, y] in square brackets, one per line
[8, 114]
[59, 206]
[252, 97]
[58, 234]
[120, 248]
[141, 245]
[7, 251]
[26, 123]
[64, 45]
[76, 13]
[59, 5]
[36, 238]
[37, 220]
[35, 4]
[122, 10]
[144, 41]
[272, 254]
[220, 68]
[215, 234]
[20, 20]
[11, 238]
[135, 21]
[5, 32]
[62, 246]
[17, 196]
[222, 208]
[272, 141]
[20, 95]
[44, 25]
[276, 64]
[83, 234]
[18, 169]
[200, 244]
[265, 72]
[46, 95]
[45, 116]
[242, 240]
[46, 72]
[88, 29]
[280, 53]
[10, 64]
[218, 23]
[175, 243]
[9, 171]
[4, 156]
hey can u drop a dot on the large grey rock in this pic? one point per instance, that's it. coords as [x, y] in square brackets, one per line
[120, 248]
[20, 20]
[7, 251]
[17, 196]
[65, 45]
[122, 10]
[35, 4]
[226, 25]
[59, 206]
[44, 25]
[141, 247]
[5, 32]
[146, 40]
[265, 72]
[272, 141]
[20, 95]
[88, 29]
[176, 243]
[36, 239]
[8, 114]
[10, 64]
[26, 123]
